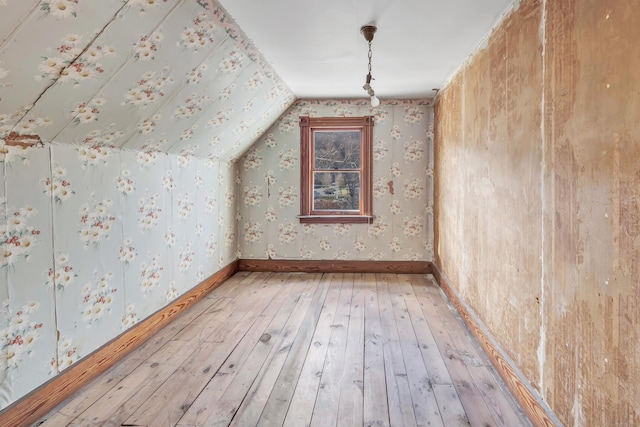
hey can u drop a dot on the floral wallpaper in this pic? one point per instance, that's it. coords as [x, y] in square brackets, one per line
[269, 188]
[142, 107]
[171, 76]
[100, 241]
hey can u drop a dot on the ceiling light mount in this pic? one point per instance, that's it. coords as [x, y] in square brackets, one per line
[368, 31]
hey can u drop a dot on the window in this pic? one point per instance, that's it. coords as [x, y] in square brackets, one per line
[335, 169]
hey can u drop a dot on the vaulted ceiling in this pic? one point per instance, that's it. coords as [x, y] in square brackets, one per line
[182, 77]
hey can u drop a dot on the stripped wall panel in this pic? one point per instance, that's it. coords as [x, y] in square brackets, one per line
[537, 200]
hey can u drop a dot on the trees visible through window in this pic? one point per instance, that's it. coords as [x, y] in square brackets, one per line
[336, 169]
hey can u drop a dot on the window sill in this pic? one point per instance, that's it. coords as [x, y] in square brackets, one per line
[336, 219]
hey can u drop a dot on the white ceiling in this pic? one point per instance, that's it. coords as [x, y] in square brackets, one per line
[317, 49]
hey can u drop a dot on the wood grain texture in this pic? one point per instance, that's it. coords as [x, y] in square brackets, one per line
[441, 324]
[425, 405]
[280, 397]
[240, 329]
[303, 349]
[38, 403]
[538, 413]
[401, 411]
[306, 389]
[375, 385]
[330, 266]
[333, 371]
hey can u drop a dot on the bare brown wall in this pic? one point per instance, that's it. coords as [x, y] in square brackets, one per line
[537, 210]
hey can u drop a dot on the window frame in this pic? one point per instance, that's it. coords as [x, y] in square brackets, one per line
[308, 125]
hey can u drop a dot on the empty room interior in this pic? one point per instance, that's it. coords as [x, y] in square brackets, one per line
[337, 213]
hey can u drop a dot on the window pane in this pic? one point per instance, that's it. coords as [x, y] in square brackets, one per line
[336, 191]
[337, 149]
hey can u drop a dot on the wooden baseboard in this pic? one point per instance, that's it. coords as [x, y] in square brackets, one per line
[333, 266]
[39, 402]
[537, 411]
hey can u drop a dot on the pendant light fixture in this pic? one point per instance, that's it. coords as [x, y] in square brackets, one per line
[368, 31]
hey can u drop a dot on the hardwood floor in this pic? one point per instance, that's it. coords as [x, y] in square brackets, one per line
[298, 349]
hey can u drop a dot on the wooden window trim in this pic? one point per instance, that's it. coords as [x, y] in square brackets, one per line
[307, 127]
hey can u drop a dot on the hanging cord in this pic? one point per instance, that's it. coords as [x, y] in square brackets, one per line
[370, 54]
[367, 85]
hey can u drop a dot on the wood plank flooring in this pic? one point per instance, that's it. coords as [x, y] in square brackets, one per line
[299, 349]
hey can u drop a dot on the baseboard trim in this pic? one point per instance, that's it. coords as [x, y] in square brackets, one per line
[538, 412]
[45, 398]
[335, 266]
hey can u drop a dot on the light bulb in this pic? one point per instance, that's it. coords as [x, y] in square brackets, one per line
[375, 101]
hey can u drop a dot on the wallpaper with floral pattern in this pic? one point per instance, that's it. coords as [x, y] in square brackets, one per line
[269, 188]
[95, 241]
[142, 107]
[172, 76]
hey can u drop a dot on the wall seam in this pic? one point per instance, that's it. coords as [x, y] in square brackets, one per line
[17, 28]
[543, 326]
[4, 220]
[54, 285]
[465, 266]
[121, 198]
[116, 72]
[73, 61]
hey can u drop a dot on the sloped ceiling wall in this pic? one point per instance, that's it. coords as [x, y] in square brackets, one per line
[94, 240]
[150, 75]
